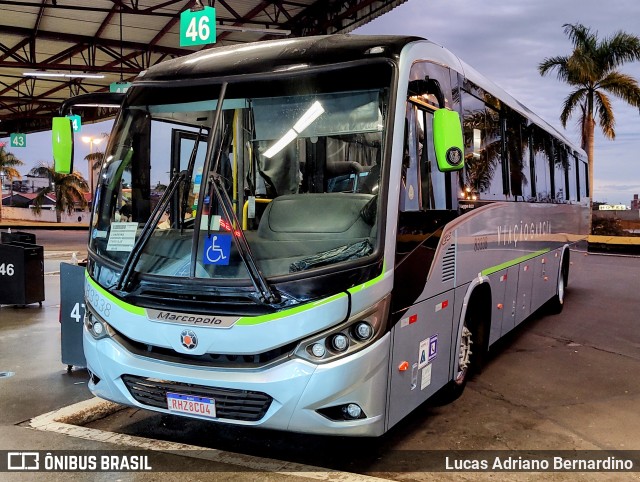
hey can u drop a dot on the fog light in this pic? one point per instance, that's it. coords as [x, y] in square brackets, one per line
[363, 331]
[340, 342]
[352, 411]
[98, 328]
[317, 350]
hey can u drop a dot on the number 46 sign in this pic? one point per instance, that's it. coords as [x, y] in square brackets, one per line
[198, 27]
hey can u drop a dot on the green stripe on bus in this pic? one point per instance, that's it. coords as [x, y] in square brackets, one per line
[508, 264]
[369, 283]
[136, 310]
[256, 320]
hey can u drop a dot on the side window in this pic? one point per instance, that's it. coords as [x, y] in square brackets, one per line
[540, 150]
[576, 171]
[581, 173]
[424, 187]
[412, 150]
[559, 170]
[433, 182]
[572, 178]
[517, 153]
[482, 177]
[586, 178]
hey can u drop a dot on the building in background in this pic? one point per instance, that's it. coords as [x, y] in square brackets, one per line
[635, 202]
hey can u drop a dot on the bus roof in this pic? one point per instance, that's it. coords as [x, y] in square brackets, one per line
[277, 55]
[280, 55]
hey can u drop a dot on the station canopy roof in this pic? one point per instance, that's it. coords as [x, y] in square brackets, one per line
[116, 39]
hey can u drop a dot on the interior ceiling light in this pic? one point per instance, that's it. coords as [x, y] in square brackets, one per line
[63, 75]
[305, 121]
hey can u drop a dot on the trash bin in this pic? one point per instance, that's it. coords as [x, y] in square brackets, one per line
[17, 236]
[21, 273]
[72, 314]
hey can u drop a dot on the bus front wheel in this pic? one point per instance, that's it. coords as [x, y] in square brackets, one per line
[471, 356]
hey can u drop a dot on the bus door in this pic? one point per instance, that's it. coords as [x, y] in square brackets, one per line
[420, 359]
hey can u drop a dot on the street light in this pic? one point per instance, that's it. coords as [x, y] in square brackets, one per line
[91, 141]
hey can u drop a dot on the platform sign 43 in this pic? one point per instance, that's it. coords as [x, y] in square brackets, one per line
[198, 27]
[18, 140]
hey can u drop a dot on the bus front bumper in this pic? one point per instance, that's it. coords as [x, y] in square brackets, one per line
[298, 388]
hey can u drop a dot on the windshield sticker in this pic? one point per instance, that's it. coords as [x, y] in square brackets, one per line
[217, 249]
[197, 181]
[122, 236]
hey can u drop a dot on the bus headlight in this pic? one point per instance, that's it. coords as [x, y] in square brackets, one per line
[318, 350]
[359, 331]
[96, 326]
[363, 331]
[339, 342]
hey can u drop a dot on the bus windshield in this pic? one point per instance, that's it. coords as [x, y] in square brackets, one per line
[299, 159]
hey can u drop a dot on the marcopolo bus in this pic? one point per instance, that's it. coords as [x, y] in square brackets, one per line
[319, 234]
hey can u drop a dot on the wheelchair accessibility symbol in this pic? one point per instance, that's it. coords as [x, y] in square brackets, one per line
[217, 249]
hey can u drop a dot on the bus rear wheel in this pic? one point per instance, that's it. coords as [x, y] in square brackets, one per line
[556, 304]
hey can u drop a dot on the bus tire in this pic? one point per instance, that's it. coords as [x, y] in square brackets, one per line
[556, 304]
[473, 351]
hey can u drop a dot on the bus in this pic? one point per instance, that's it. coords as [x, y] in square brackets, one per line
[319, 234]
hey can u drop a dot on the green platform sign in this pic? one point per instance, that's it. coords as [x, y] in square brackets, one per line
[198, 27]
[76, 122]
[119, 87]
[18, 140]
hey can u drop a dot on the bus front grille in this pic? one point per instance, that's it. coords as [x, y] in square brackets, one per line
[231, 404]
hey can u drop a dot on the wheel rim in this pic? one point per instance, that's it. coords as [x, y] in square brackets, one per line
[465, 355]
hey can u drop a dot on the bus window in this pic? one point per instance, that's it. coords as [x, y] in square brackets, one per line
[517, 152]
[433, 181]
[540, 148]
[483, 158]
[413, 144]
[559, 172]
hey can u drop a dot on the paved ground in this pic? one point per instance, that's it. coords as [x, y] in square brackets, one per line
[559, 382]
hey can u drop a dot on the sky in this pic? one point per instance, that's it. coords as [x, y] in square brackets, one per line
[505, 41]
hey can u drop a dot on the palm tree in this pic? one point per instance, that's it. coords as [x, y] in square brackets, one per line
[69, 190]
[591, 70]
[8, 164]
[96, 158]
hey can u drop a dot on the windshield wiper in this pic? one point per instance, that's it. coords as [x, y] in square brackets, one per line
[267, 295]
[147, 230]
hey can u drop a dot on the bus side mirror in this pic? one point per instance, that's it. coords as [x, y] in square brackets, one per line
[447, 140]
[62, 142]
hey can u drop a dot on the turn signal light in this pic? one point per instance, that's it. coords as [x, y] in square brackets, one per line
[404, 366]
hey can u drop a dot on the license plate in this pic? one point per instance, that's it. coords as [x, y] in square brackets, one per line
[202, 406]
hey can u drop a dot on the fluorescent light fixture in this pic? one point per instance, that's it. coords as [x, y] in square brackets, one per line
[106, 106]
[63, 75]
[308, 117]
[305, 121]
[43, 74]
[281, 144]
